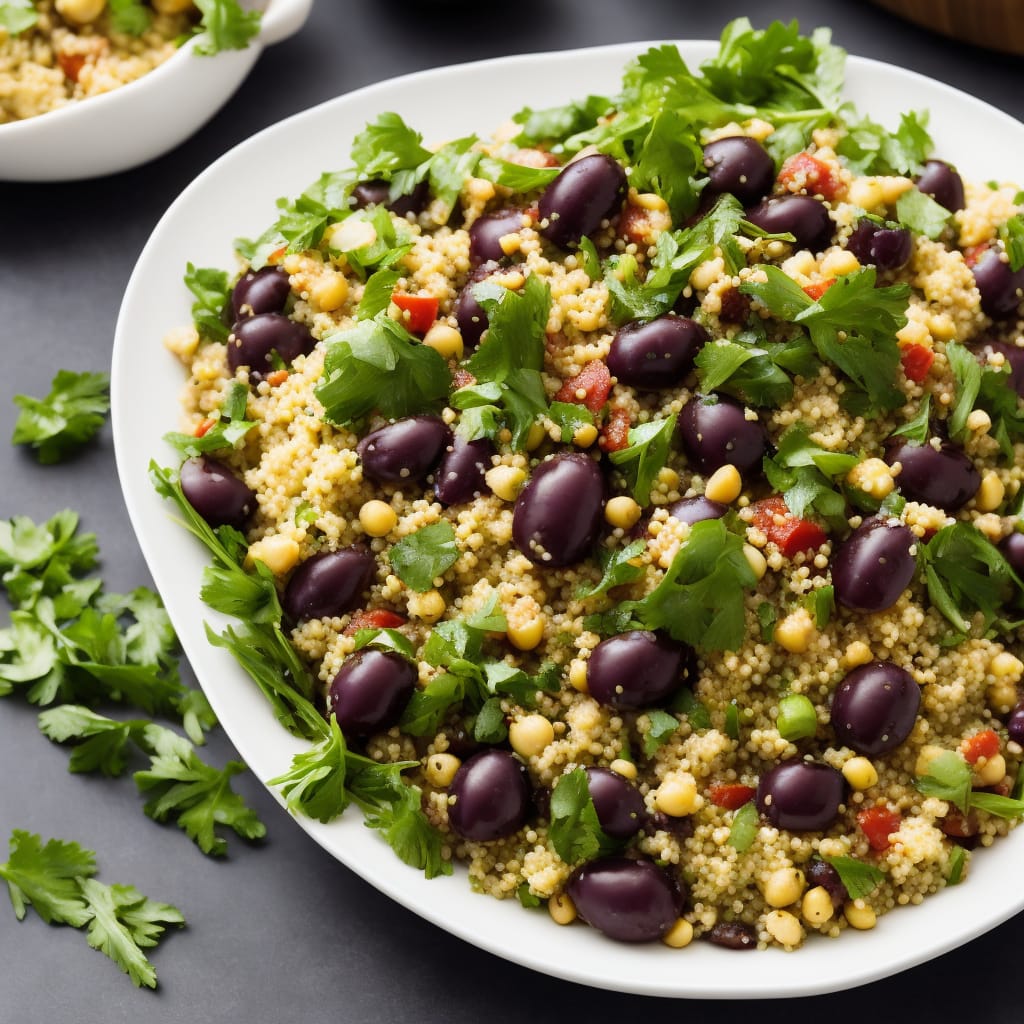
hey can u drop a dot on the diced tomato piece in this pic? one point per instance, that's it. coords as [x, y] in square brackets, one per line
[984, 744]
[204, 428]
[973, 253]
[277, 378]
[71, 64]
[804, 172]
[787, 531]
[374, 618]
[917, 361]
[420, 311]
[615, 433]
[816, 289]
[589, 387]
[730, 795]
[877, 824]
[462, 379]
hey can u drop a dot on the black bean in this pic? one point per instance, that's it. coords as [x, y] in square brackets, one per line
[732, 935]
[802, 796]
[627, 900]
[586, 192]
[492, 796]
[260, 291]
[216, 493]
[486, 232]
[404, 451]
[739, 165]
[636, 669]
[715, 432]
[255, 340]
[460, 476]
[656, 353]
[370, 691]
[873, 566]
[942, 182]
[874, 708]
[944, 477]
[803, 217]
[328, 584]
[558, 514]
[620, 807]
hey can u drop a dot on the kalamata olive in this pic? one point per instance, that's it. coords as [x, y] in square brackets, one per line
[585, 192]
[655, 354]
[944, 477]
[941, 181]
[1015, 724]
[328, 584]
[732, 935]
[887, 248]
[558, 513]
[822, 873]
[802, 796]
[739, 165]
[460, 477]
[696, 510]
[873, 566]
[215, 492]
[715, 432]
[378, 192]
[875, 707]
[370, 691]
[469, 314]
[486, 233]
[1012, 549]
[620, 807]
[492, 796]
[260, 291]
[1001, 288]
[1012, 354]
[636, 669]
[404, 451]
[805, 218]
[627, 900]
[254, 340]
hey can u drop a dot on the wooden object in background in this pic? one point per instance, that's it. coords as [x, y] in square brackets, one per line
[996, 24]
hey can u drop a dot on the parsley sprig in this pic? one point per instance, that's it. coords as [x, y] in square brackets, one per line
[230, 427]
[18, 15]
[986, 387]
[949, 778]
[575, 831]
[67, 418]
[645, 455]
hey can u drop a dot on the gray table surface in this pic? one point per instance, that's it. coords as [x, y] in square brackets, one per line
[279, 931]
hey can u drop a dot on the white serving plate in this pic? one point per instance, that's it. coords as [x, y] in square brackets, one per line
[228, 201]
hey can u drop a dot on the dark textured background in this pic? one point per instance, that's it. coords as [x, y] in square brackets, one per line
[280, 932]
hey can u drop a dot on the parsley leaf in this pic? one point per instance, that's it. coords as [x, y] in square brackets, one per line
[617, 569]
[386, 147]
[920, 213]
[685, 703]
[663, 728]
[868, 148]
[103, 739]
[958, 858]
[743, 830]
[131, 17]
[409, 833]
[575, 831]
[385, 640]
[212, 301]
[18, 15]
[67, 418]
[378, 365]
[986, 387]
[645, 455]
[314, 785]
[1012, 235]
[859, 879]
[569, 417]
[916, 430]
[421, 557]
[949, 778]
[225, 25]
[229, 429]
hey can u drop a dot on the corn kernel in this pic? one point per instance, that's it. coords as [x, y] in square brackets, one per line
[724, 485]
[578, 676]
[330, 291]
[1005, 665]
[446, 341]
[278, 553]
[535, 437]
[624, 768]
[80, 12]
[680, 935]
[856, 653]
[839, 262]
[506, 481]
[990, 493]
[441, 769]
[795, 632]
[677, 796]
[530, 735]
[860, 773]
[584, 435]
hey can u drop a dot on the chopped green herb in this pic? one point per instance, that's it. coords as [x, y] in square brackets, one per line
[916, 430]
[490, 726]
[859, 879]
[575, 832]
[732, 721]
[1012, 235]
[821, 603]
[421, 557]
[685, 703]
[767, 616]
[68, 417]
[225, 25]
[229, 429]
[797, 719]
[385, 640]
[754, 370]
[743, 830]
[569, 417]
[920, 213]
[131, 17]
[616, 569]
[958, 858]
[212, 298]
[645, 456]
[984, 387]
[868, 148]
[18, 15]
[663, 728]
[526, 898]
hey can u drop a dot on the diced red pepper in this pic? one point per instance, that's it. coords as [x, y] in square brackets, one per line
[462, 379]
[204, 428]
[984, 744]
[804, 172]
[420, 311]
[730, 795]
[615, 433]
[589, 388]
[277, 378]
[973, 253]
[917, 361]
[877, 824]
[374, 618]
[71, 64]
[788, 532]
[816, 289]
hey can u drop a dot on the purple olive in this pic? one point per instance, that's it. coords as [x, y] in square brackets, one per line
[637, 669]
[732, 935]
[944, 477]
[1015, 724]
[558, 514]
[620, 807]
[1011, 547]
[873, 566]
[1013, 355]
[739, 165]
[328, 584]
[696, 510]
[586, 192]
[492, 796]
[820, 872]
[254, 340]
[404, 451]
[469, 314]
[1001, 288]
[486, 233]
[874, 708]
[805, 218]
[260, 291]
[657, 353]
[370, 691]
[715, 432]
[627, 900]
[802, 796]
[941, 181]
[886, 248]
[377, 192]
[216, 493]
[460, 476]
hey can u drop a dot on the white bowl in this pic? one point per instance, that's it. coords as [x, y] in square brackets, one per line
[227, 201]
[123, 128]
